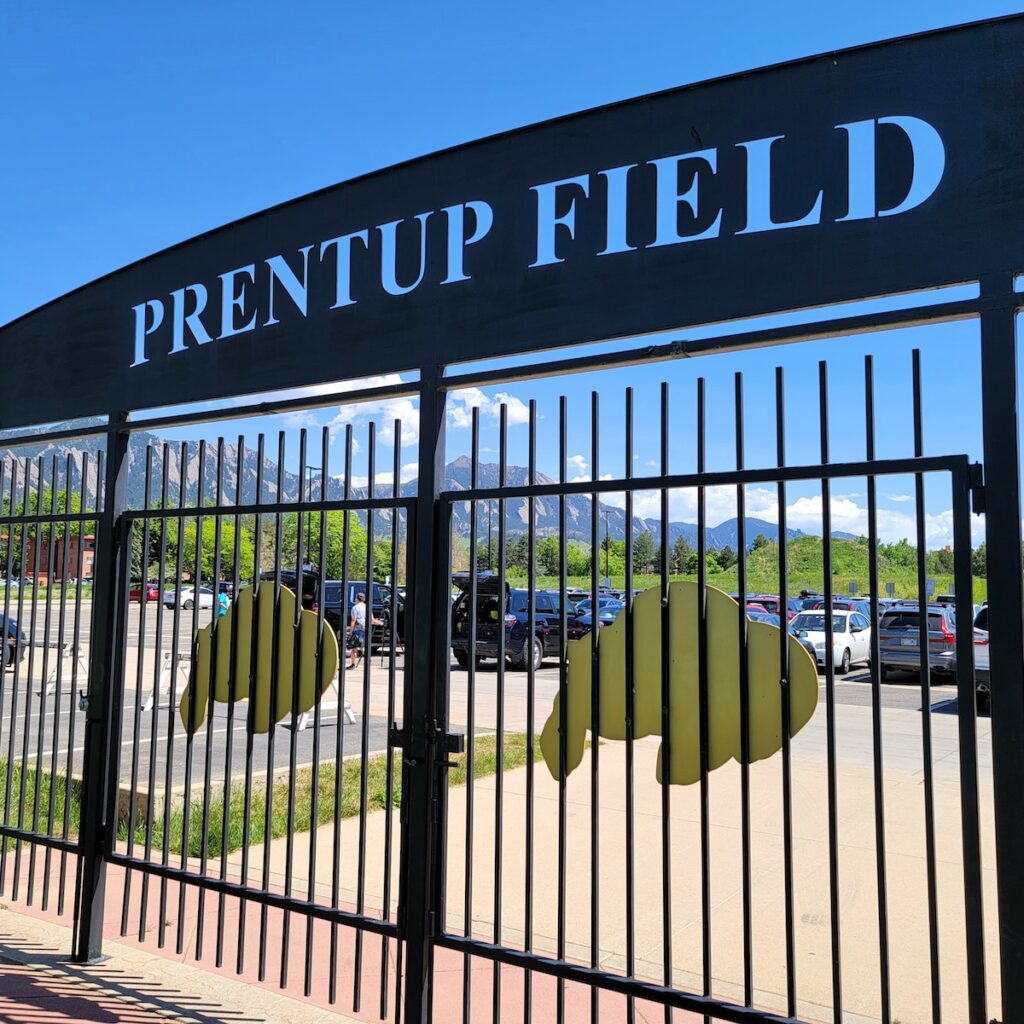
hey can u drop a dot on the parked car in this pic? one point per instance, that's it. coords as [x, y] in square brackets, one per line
[508, 611]
[310, 584]
[152, 592]
[773, 604]
[187, 597]
[381, 599]
[846, 604]
[759, 615]
[851, 637]
[581, 624]
[15, 642]
[585, 606]
[899, 641]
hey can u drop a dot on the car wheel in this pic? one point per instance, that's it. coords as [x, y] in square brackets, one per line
[844, 665]
[6, 656]
[537, 650]
[984, 702]
[462, 657]
[188, 606]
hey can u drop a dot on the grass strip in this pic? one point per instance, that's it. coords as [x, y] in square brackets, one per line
[484, 764]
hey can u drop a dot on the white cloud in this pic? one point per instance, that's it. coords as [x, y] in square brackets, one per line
[579, 467]
[900, 497]
[462, 403]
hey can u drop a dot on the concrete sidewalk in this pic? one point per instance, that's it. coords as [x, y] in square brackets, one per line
[39, 984]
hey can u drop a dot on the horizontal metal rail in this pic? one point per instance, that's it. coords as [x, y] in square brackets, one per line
[736, 477]
[278, 508]
[820, 330]
[407, 389]
[40, 838]
[259, 896]
[49, 436]
[566, 971]
[58, 517]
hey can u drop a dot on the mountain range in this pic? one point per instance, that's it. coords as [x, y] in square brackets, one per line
[239, 484]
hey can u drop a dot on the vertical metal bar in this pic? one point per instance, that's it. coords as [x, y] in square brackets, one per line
[15, 683]
[967, 728]
[179, 524]
[99, 791]
[216, 641]
[471, 708]
[744, 681]
[293, 733]
[189, 732]
[926, 698]
[531, 682]
[321, 625]
[339, 750]
[364, 739]
[499, 749]
[11, 525]
[563, 708]
[26, 728]
[250, 725]
[133, 779]
[47, 623]
[785, 697]
[666, 705]
[630, 681]
[73, 687]
[1000, 429]
[830, 698]
[389, 756]
[703, 697]
[229, 738]
[595, 705]
[876, 702]
[428, 664]
[268, 818]
[58, 675]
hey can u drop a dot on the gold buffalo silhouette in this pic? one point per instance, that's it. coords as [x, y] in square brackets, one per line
[723, 653]
[252, 678]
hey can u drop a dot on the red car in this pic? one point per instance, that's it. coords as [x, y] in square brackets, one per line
[152, 592]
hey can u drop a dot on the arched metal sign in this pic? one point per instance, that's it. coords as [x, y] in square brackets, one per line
[848, 175]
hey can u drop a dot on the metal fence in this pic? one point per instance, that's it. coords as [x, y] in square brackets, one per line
[425, 846]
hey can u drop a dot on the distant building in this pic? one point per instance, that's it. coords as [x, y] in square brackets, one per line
[62, 569]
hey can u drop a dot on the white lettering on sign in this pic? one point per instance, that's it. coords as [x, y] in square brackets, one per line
[689, 203]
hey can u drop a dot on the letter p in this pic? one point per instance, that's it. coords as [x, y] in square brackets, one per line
[142, 311]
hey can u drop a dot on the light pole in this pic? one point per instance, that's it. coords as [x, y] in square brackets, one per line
[309, 497]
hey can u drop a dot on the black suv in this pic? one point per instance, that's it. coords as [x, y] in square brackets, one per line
[512, 614]
[337, 611]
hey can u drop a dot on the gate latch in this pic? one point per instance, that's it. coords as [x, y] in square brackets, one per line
[415, 744]
[976, 481]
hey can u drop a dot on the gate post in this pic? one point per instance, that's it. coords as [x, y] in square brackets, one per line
[101, 731]
[1006, 620]
[419, 799]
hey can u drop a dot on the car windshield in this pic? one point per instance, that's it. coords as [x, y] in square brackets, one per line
[910, 620]
[814, 622]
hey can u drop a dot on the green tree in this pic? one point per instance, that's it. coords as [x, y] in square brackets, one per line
[979, 563]
[643, 552]
[760, 541]
[727, 558]
[681, 552]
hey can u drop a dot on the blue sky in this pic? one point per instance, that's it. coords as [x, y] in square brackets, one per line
[130, 127]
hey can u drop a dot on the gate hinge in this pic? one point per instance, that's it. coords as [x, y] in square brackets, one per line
[976, 482]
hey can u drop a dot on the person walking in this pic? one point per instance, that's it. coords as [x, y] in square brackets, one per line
[357, 629]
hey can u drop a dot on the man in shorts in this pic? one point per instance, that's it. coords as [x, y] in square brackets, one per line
[357, 629]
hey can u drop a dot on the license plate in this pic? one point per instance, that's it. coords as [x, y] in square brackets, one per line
[908, 641]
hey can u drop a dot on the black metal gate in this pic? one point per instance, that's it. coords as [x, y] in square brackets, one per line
[126, 758]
